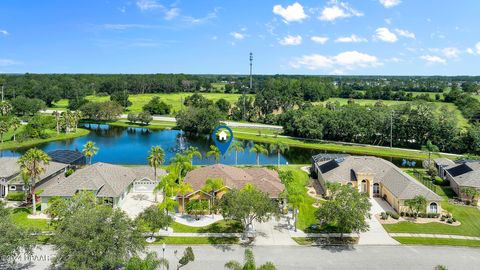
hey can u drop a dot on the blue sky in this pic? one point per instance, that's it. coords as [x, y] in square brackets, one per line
[387, 37]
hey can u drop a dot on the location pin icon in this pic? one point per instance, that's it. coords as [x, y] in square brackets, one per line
[222, 137]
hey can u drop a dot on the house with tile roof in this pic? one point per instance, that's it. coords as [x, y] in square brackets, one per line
[11, 180]
[109, 182]
[376, 177]
[263, 179]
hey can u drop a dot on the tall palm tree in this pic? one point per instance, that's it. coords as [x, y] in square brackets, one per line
[3, 129]
[295, 197]
[249, 263]
[155, 159]
[168, 184]
[90, 150]
[184, 189]
[192, 152]
[215, 152]
[259, 149]
[279, 148]
[211, 186]
[77, 116]
[32, 165]
[236, 146]
[15, 124]
[181, 164]
[57, 120]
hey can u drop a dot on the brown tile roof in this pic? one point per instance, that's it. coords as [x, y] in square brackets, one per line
[236, 178]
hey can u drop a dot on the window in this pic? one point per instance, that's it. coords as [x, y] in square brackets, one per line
[376, 188]
[433, 208]
[13, 187]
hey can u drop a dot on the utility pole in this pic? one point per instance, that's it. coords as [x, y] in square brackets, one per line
[251, 65]
[391, 129]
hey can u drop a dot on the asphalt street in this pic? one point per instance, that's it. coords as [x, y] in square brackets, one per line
[303, 257]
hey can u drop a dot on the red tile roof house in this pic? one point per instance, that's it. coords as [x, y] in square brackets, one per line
[263, 179]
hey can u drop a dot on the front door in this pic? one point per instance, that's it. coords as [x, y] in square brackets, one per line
[376, 189]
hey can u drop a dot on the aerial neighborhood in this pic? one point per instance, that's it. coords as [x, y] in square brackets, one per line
[254, 135]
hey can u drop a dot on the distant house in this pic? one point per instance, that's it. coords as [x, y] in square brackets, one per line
[72, 157]
[463, 174]
[11, 180]
[376, 177]
[110, 183]
[263, 179]
[441, 164]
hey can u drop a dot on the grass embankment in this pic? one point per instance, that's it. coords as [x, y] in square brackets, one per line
[175, 240]
[437, 241]
[467, 215]
[125, 123]
[138, 101]
[221, 226]
[53, 136]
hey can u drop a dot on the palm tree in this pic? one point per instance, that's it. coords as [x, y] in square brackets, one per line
[89, 150]
[248, 263]
[151, 262]
[215, 152]
[77, 115]
[169, 187]
[211, 186]
[5, 108]
[184, 189]
[430, 148]
[181, 164]
[192, 152]
[57, 120]
[15, 124]
[237, 146]
[259, 149]
[3, 129]
[32, 165]
[296, 197]
[280, 148]
[155, 159]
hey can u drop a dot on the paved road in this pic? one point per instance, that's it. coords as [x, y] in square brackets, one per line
[305, 258]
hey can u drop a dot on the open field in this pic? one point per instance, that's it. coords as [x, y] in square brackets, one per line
[173, 99]
[10, 144]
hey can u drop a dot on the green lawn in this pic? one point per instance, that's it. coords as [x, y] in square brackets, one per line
[10, 144]
[175, 240]
[20, 217]
[307, 241]
[306, 214]
[217, 227]
[437, 241]
[174, 99]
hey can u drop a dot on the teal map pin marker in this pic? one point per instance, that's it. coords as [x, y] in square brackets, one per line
[222, 136]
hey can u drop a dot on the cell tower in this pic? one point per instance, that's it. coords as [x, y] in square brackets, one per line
[251, 65]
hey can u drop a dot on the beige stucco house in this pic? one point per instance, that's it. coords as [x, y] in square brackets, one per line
[376, 177]
[462, 174]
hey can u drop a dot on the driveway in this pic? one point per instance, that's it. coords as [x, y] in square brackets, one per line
[377, 234]
[273, 233]
[136, 202]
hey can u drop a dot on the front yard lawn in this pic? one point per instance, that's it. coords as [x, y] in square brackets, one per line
[437, 241]
[221, 226]
[20, 217]
[468, 216]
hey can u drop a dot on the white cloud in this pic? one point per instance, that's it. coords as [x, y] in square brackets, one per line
[7, 62]
[338, 10]
[4, 32]
[451, 52]
[148, 4]
[390, 3]
[477, 47]
[292, 13]
[172, 13]
[343, 61]
[405, 33]
[384, 34]
[351, 39]
[395, 60]
[470, 51]
[210, 16]
[291, 40]
[319, 39]
[388, 20]
[237, 35]
[433, 59]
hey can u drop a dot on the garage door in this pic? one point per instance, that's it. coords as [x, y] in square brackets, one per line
[144, 186]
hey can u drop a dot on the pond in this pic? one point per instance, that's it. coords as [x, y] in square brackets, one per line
[122, 145]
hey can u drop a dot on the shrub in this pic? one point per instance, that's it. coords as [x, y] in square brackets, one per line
[393, 214]
[402, 214]
[157, 107]
[442, 218]
[453, 219]
[383, 216]
[433, 215]
[102, 94]
[16, 196]
[69, 172]
[449, 221]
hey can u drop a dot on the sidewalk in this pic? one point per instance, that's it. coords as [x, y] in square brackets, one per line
[428, 235]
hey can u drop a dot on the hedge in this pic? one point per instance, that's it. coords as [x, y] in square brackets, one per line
[16, 196]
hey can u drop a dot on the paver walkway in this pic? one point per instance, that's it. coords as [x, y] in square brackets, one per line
[377, 234]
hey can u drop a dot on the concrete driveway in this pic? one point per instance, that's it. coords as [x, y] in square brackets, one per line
[273, 233]
[136, 202]
[377, 234]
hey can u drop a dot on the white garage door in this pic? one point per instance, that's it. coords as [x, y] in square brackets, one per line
[144, 186]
